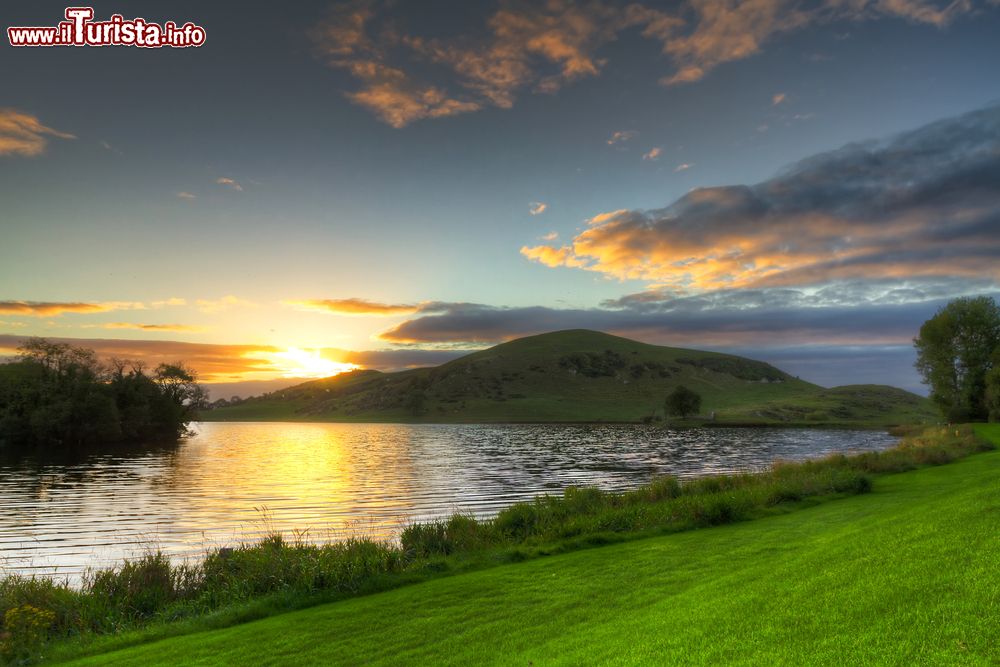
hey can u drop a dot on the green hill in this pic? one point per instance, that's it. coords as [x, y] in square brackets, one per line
[580, 376]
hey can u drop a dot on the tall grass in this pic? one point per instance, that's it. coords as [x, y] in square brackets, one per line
[152, 589]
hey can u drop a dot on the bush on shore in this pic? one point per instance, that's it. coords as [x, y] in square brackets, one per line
[151, 588]
[59, 397]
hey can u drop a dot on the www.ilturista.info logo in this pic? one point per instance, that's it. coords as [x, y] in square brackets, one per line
[80, 30]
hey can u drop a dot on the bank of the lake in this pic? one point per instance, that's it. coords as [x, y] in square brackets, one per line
[60, 515]
[900, 575]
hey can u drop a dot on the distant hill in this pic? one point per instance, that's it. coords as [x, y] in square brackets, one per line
[581, 376]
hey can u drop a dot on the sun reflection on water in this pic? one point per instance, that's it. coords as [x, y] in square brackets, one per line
[333, 480]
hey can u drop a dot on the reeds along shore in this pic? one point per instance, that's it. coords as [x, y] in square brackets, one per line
[152, 589]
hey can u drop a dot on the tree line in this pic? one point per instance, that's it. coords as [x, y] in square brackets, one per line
[56, 395]
[958, 355]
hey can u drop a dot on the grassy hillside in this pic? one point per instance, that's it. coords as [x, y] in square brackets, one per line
[905, 574]
[579, 375]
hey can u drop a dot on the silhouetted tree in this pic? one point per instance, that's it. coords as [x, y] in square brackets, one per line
[416, 402]
[956, 350]
[683, 402]
[58, 395]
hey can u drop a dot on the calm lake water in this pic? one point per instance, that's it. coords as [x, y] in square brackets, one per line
[231, 482]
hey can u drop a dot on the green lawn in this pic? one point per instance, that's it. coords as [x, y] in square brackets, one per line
[908, 574]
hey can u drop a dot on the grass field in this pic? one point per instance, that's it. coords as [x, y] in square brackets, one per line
[905, 575]
[581, 376]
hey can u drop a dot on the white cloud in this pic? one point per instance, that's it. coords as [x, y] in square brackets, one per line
[108, 147]
[653, 154]
[172, 301]
[621, 136]
[230, 183]
[683, 166]
[218, 305]
[537, 207]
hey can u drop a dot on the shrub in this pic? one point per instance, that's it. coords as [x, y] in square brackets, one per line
[683, 402]
[25, 629]
[138, 589]
[661, 488]
[517, 521]
[420, 540]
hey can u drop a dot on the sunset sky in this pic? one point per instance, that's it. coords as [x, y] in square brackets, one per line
[389, 184]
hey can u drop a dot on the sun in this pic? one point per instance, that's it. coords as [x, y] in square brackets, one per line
[298, 363]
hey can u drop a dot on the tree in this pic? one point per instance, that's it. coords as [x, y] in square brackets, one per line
[55, 395]
[416, 402]
[955, 354]
[683, 402]
[993, 388]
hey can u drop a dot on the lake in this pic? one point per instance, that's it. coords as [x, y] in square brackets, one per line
[234, 481]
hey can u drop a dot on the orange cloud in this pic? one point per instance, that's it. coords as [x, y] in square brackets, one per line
[727, 30]
[152, 327]
[214, 363]
[544, 46]
[925, 204]
[23, 134]
[398, 102]
[221, 363]
[549, 256]
[723, 31]
[354, 307]
[50, 308]
[387, 91]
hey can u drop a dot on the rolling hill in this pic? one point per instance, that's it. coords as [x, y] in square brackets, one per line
[581, 376]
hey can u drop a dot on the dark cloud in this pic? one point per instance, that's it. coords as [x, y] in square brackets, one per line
[925, 204]
[840, 294]
[813, 336]
[694, 322]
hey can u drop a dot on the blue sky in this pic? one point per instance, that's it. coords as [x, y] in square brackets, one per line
[320, 174]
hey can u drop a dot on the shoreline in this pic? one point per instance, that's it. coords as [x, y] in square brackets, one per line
[848, 426]
[434, 549]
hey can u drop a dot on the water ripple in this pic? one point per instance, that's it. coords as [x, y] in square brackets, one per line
[59, 517]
